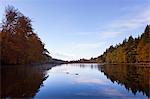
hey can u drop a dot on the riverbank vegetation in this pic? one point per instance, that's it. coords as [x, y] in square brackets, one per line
[131, 50]
[19, 43]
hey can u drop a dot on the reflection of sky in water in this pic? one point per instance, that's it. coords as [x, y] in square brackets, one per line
[82, 80]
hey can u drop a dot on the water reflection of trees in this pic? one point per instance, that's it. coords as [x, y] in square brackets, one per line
[21, 82]
[134, 77]
[91, 66]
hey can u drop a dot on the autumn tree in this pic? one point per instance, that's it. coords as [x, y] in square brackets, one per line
[132, 50]
[143, 48]
[19, 43]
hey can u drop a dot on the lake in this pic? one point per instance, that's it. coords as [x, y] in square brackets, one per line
[76, 81]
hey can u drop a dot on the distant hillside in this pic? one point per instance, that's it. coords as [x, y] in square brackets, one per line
[92, 60]
[131, 50]
[57, 61]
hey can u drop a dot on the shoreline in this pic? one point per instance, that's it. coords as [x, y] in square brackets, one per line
[109, 63]
[128, 63]
[54, 63]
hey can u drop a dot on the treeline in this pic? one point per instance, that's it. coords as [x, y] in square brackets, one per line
[19, 44]
[92, 60]
[131, 50]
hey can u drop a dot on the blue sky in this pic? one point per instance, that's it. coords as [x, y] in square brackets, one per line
[73, 29]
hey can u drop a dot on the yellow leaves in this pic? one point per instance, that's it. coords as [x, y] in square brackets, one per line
[131, 51]
[19, 44]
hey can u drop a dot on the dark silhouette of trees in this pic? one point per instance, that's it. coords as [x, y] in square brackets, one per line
[130, 51]
[19, 43]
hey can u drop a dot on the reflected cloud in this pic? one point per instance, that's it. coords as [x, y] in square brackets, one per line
[113, 92]
[86, 80]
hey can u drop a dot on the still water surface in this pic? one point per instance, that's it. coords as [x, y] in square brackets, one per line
[77, 81]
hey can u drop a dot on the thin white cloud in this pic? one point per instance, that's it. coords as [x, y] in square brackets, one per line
[89, 45]
[127, 23]
[133, 22]
[91, 48]
[62, 56]
[84, 33]
[109, 34]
